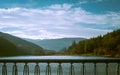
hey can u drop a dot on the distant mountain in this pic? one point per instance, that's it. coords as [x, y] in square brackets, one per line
[12, 45]
[55, 44]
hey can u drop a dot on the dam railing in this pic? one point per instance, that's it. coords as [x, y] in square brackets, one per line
[59, 68]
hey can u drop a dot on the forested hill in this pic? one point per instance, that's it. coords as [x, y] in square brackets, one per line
[5, 46]
[14, 46]
[107, 45]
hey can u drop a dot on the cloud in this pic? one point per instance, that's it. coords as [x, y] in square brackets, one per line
[60, 7]
[100, 1]
[83, 2]
[56, 21]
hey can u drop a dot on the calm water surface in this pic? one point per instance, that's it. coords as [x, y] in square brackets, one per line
[77, 66]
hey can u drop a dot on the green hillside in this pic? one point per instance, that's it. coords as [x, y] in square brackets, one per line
[12, 46]
[107, 45]
[6, 48]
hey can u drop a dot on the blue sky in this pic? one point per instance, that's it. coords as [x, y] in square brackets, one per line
[49, 19]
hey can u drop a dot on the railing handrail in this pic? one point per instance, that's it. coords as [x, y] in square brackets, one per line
[105, 60]
[59, 68]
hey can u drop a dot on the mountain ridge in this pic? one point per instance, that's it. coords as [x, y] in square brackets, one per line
[55, 44]
[25, 47]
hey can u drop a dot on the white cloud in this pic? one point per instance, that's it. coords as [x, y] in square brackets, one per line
[55, 21]
[83, 2]
[100, 0]
[60, 7]
[89, 1]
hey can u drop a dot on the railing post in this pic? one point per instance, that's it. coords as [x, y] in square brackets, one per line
[83, 68]
[4, 69]
[48, 69]
[118, 68]
[26, 69]
[14, 70]
[59, 70]
[72, 71]
[95, 70]
[37, 69]
[106, 68]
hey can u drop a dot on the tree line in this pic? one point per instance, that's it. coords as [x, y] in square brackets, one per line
[106, 45]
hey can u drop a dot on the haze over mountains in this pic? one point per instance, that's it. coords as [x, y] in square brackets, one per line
[11, 45]
[106, 45]
[55, 44]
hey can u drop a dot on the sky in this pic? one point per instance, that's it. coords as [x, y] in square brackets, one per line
[50, 19]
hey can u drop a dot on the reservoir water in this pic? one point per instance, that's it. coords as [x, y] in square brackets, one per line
[78, 67]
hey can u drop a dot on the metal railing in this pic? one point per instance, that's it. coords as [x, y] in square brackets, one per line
[59, 69]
